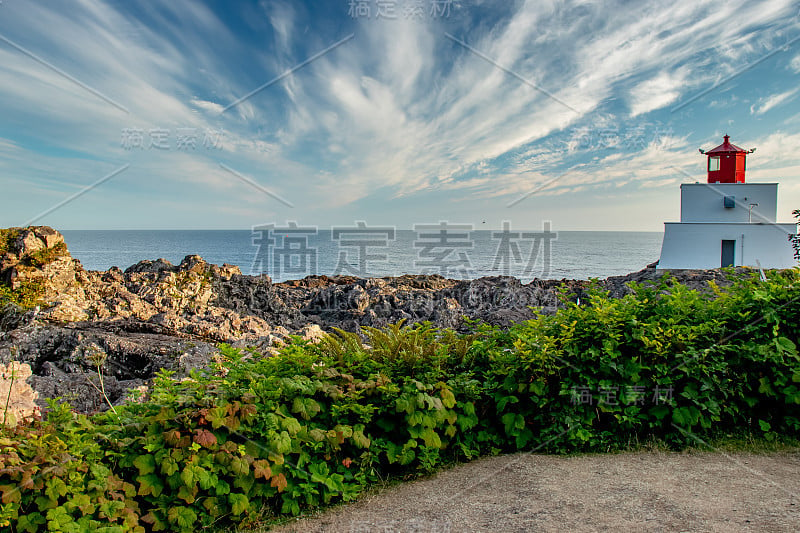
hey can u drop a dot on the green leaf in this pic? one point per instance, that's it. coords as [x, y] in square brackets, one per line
[317, 434]
[222, 488]
[403, 404]
[537, 388]
[169, 466]
[431, 438]
[111, 509]
[59, 519]
[54, 488]
[305, 407]
[659, 411]
[183, 517]
[239, 504]
[501, 404]
[513, 423]
[12, 494]
[43, 502]
[187, 494]
[786, 345]
[291, 425]
[30, 522]
[145, 463]
[290, 506]
[82, 502]
[765, 426]
[188, 475]
[211, 505]
[359, 439]
[205, 479]
[765, 386]
[283, 442]
[524, 438]
[448, 398]
[239, 466]
[335, 483]
[150, 484]
[686, 416]
[217, 416]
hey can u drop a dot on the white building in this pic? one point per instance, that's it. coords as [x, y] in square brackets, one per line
[727, 222]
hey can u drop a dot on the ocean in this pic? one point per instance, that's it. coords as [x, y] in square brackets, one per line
[295, 252]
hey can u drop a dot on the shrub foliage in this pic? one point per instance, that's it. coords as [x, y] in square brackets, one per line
[317, 424]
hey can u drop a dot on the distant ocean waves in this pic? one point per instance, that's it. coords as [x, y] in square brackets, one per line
[457, 252]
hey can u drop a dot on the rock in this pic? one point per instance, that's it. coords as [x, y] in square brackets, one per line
[193, 263]
[28, 242]
[196, 358]
[113, 275]
[48, 235]
[312, 333]
[17, 397]
[159, 265]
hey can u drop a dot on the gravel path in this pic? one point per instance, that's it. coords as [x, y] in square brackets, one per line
[621, 492]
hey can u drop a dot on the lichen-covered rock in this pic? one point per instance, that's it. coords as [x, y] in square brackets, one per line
[17, 398]
[312, 333]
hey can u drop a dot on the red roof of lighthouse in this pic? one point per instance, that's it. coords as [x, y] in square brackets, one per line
[726, 147]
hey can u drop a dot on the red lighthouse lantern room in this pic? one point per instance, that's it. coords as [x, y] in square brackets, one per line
[726, 162]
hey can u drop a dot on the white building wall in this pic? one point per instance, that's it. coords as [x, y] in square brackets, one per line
[703, 202]
[699, 245]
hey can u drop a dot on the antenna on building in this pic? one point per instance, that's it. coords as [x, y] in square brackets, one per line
[750, 213]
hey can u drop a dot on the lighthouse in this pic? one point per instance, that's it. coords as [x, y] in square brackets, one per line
[726, 221]
[726, 162]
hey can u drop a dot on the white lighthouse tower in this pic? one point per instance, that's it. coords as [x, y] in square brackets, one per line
[727, 222]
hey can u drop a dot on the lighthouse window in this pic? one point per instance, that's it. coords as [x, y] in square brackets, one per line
[713, 164]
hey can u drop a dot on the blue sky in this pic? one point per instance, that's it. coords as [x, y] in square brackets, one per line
[586, 114]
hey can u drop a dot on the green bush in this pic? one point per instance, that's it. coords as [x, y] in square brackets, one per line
[317, 424]
[45, 256]
[25, 297]
[7, 239]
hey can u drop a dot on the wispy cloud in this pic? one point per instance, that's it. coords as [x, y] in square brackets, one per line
[794, 64]
[765, 104]
[205, 105]
[657, 92]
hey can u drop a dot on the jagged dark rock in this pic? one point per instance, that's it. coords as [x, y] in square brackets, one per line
[158, 315]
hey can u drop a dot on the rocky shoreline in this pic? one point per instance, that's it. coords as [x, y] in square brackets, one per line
[157, 315]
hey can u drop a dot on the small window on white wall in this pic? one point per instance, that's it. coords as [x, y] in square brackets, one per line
[713, 164]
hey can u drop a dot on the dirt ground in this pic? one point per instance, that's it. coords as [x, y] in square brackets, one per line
[622, 492]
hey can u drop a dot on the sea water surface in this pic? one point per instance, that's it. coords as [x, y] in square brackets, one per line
[572, 254]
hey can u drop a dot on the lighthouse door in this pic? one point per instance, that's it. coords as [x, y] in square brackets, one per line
[728, 248]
